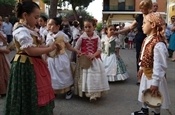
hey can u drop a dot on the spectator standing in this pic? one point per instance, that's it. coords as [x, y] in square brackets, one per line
[7, 29]
[145, 7]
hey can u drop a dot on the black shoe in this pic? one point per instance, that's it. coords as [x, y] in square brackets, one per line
[155, 113]
[138, 83]
[69, 95]
[143, 111]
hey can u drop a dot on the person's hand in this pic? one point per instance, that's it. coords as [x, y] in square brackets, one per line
[53, 46]
[78, 52]
[154, 90]
[91, 56]
[6, 51]
[139, 74]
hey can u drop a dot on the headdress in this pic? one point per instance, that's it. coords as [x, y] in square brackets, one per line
[158, 20]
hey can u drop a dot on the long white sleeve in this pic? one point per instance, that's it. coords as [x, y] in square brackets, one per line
[160, 62]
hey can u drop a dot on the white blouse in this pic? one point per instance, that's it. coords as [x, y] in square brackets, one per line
[85, 36]
[23, 36]
[160, 60]
[51, 37]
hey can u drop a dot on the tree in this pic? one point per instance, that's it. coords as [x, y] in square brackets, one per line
[8, 2]
[53, 8]
[81, 14]
[24, 0]
[82, 4]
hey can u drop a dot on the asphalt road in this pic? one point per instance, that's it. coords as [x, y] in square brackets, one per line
[120, 100]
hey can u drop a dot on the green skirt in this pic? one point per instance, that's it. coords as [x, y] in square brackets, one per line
[22, 92]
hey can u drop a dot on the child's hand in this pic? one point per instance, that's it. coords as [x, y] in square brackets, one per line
[91, 56]
[154, 90]
[139, 74]
[78, 52]
[53, 47]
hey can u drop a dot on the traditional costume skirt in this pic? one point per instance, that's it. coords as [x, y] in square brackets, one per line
[145, 84]
[61, 74]
[29, 90]
[92, 80]
[4, 73]
[114, 67]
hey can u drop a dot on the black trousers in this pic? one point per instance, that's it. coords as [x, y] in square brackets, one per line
[138, 51]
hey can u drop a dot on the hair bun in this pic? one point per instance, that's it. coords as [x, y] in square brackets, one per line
[18, 9]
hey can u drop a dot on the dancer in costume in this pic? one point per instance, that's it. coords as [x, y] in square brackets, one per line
[4, 62]
[114, 65]
[59, 64]
[29, 91]
[92, 81]
[153, 63]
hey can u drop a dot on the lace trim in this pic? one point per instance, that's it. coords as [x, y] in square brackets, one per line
[27, 45]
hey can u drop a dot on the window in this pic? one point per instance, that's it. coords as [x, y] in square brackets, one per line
[121, 5]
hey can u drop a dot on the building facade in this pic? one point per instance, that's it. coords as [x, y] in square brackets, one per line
[115, 11]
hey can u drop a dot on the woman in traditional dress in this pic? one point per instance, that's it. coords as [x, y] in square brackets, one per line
[114, 65]
[92, 81]
[4, 62]
[59, 63]
[29, 90]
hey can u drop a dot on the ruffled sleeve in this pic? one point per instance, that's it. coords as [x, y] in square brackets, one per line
[24, 38]
[78, 43]
[66, 38]
[160, 62]
[49, 40]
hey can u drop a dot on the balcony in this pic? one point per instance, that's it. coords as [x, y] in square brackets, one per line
[118, 8]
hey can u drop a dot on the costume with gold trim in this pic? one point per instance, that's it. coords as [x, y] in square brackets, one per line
[154, 63]
[30, 81]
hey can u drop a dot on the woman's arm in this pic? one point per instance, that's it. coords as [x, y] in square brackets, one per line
[126, 29]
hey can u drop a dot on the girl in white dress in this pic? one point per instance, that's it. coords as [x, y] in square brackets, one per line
[59, 65]
[92, 81]
[153, 63]
[114, 65]
[43, 28]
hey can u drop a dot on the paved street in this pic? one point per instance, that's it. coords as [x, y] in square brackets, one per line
[120, 100]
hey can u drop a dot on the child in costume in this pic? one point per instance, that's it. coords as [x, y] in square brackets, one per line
[59, 64]
[92, 81]
[29, 91]
[4, 62]
[114, 65]
[43, 28]
[153, 63]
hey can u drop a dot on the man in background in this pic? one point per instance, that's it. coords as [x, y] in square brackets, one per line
[7, 29]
